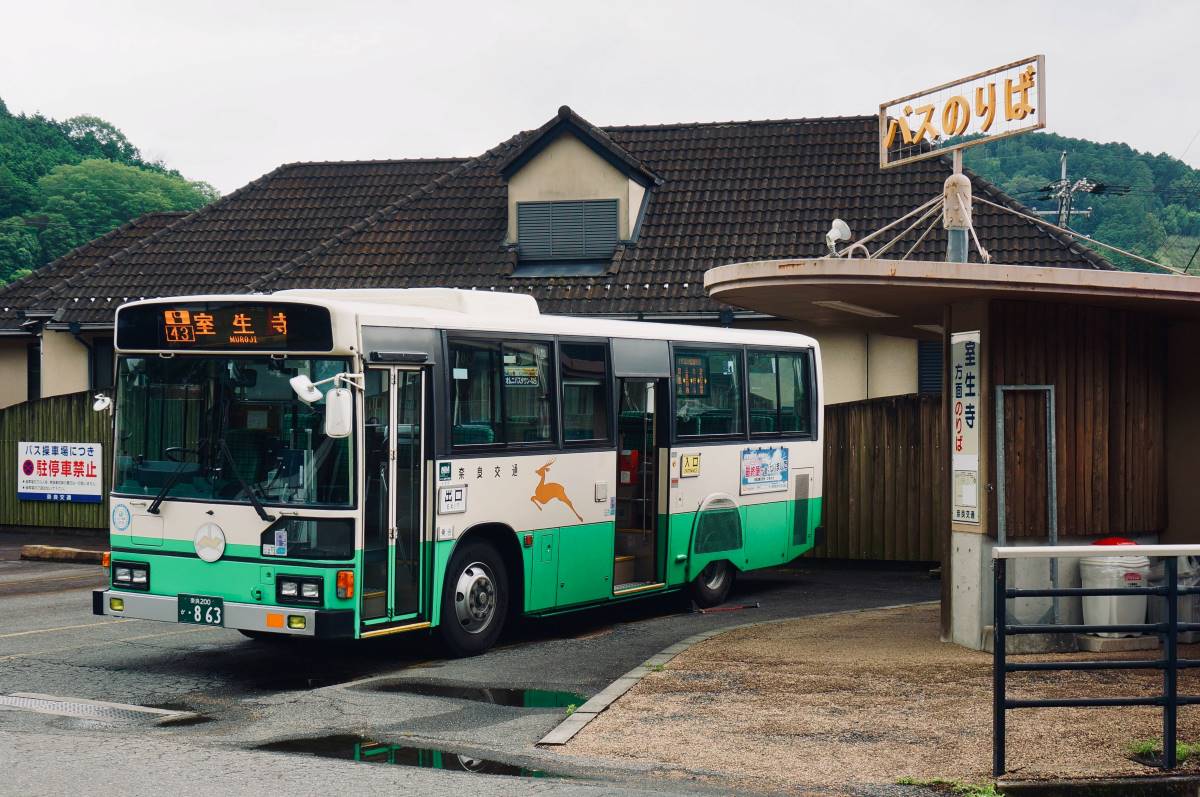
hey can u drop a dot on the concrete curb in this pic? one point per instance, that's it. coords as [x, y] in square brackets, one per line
[56, 553]
[579, 719]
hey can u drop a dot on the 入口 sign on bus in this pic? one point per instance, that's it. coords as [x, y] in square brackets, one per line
[983, 107]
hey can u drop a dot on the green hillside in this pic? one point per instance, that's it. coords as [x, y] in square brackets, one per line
[63, 184]
[1157, 217]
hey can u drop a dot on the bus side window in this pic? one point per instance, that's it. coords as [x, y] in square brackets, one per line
[583, 369]
[795, 394]
[708, 392]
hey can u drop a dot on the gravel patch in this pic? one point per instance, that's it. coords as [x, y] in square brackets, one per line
[853, 702]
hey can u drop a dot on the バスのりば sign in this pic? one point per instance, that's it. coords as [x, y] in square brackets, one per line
[59, 472]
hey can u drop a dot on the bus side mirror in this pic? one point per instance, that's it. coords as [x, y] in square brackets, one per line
[101, 403]
[339, 412]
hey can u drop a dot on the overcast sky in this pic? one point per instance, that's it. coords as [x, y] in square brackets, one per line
[225, 91]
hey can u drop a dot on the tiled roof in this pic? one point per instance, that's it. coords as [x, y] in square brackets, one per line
[569, 121]
[729, 192]
[260, 226]
[17, 295]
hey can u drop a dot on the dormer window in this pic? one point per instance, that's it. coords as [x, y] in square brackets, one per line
[574, 196]
[567, 230]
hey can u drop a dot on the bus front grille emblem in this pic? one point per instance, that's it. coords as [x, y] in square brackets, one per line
[545, 492]
[209, 542]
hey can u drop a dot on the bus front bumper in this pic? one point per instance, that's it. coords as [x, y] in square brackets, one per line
[320, 623]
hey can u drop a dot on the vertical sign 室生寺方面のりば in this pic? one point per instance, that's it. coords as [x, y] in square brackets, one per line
[964, 426]
[59, 472]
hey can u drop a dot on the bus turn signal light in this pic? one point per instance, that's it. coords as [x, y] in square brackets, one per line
[345, 584]
[106, 559]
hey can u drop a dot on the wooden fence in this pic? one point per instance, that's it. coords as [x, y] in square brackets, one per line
[59, 419]
[884, 479]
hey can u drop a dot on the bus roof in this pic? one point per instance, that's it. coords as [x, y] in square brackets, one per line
[449, 308]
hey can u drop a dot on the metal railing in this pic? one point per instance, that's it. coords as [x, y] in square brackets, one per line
[1169, 662]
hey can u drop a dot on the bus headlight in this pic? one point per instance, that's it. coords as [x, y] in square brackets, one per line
[131, 575]
[298, 589]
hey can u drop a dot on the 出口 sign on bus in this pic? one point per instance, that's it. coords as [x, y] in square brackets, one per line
[1000, 102]
[59, 472]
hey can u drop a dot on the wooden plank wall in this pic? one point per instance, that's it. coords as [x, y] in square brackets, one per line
[59, 419]
[1109, 369]
[884, 478]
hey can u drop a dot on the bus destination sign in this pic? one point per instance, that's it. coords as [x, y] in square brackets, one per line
[225, 326]
[238, 326]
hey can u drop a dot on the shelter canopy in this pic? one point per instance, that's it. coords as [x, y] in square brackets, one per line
[904, 297]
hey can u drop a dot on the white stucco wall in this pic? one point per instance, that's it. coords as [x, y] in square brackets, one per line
[13, 354]
[567, 169]
[64, 363]
[891, 366]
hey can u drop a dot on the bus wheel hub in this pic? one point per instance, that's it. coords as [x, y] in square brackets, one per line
[475, 597]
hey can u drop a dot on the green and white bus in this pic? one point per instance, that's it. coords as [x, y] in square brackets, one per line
[354, 463]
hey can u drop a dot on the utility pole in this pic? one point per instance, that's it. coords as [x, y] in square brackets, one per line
[1065, 194]
[956, 212]
[1064, 191]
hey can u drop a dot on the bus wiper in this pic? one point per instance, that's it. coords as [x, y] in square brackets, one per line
[258, 507]
[166, 488]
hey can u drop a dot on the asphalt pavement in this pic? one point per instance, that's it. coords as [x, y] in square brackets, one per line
[290, 715]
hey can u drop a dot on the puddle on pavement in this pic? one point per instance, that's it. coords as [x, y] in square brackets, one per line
[498, 696]
[348, 747]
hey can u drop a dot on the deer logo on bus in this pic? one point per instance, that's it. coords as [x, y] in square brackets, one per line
[545, 492]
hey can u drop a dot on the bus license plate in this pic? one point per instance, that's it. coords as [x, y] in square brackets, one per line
[201, 610]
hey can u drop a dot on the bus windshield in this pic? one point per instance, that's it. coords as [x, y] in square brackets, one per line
[227, 429]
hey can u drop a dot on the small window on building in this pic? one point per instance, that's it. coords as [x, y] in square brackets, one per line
[708, 392]
[929, 366]
[101, 363]
[585, 388]
[575, 230]
[33, 370]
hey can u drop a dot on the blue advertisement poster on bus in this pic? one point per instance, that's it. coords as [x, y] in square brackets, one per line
[764, 470]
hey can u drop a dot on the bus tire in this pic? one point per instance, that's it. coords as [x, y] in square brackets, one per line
[474, 599]
[712, 586]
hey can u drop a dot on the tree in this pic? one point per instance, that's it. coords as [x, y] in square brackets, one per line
[88, 199]
[95, 133]
[19, 248]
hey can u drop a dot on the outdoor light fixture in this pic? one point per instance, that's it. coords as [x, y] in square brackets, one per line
[857, 309]
[838, 231]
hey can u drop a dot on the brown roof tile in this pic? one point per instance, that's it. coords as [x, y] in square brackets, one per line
[729, 192]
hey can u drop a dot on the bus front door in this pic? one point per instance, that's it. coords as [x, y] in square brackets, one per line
[394, 513]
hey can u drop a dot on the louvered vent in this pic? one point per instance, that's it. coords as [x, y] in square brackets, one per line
[576, 230]
[800, 524]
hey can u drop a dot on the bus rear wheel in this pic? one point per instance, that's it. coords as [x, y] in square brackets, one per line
[712, 586]
[474, 599]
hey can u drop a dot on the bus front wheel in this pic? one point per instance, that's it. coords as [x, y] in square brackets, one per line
[712, 586]
[474, 599]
